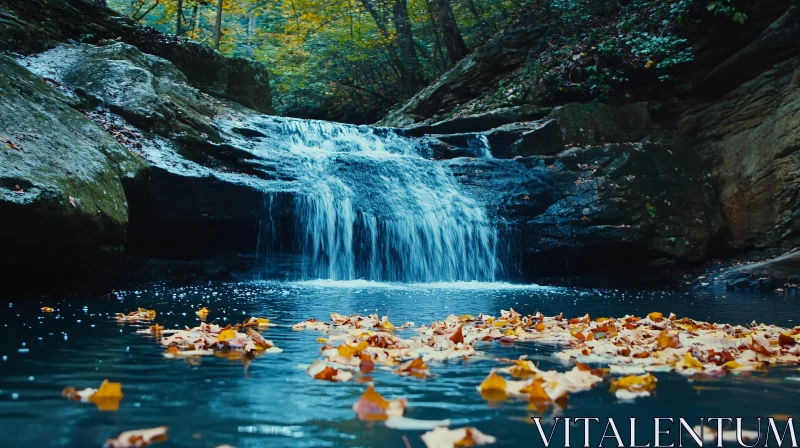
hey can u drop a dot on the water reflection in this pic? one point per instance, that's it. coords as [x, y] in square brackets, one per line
[272, 402]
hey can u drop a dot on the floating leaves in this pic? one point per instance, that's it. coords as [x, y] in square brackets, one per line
[202, 313]
[320, 371]
[206, 338]
[633, 386]
[415, 367]
[106, 398]
[372, 406]
[136, 316]
[47, 309]
[138, 438]
[450, 438]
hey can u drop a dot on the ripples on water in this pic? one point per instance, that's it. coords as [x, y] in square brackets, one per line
[273, 403]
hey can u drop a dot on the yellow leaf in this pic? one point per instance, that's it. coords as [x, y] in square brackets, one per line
[634, 383]
[224, 335]
[322, 340]
[108, 396]
[523, 368]
[151, 314]
[691, 362]
[540, 327]
[493, 382]
[347, 350]
[47, 309]
[510, 332]
[203, 313]
[500, 323]
[386, 324]
[466, 318]
[649, 63]
[655, 316]
[262, 322]
[731, 365]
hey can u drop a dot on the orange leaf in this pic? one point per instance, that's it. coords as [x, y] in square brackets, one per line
[785, 339]
[760, 349]
[372, 406]
[538, 394]
[540, 326]
[578, 335]
[666, 340]
[327, 374]
[458, 336]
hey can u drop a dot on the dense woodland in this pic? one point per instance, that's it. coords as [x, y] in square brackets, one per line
[353, 60]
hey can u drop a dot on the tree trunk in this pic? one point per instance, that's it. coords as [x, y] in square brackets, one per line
[412, 76]
[193, 19]
[218, 28]
[453, 42]
[178, 28]
[437, 45]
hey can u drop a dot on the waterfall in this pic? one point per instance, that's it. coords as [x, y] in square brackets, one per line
[370, 205]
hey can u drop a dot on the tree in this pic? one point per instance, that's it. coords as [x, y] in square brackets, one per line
[409, 64]
[218, 27]
[453, 41]
[179, 16]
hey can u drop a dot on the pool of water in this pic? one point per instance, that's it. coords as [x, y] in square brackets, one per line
[273, 403]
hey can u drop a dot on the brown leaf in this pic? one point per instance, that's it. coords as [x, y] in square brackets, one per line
[458, 336]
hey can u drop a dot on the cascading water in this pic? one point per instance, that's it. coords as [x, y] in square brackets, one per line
[370, 206]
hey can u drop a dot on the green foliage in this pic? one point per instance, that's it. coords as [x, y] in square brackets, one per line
[727, 8]
[340, 59]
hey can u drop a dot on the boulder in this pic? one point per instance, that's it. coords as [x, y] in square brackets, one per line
[778, 273]
[63, 180]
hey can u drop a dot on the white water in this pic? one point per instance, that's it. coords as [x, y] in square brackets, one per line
[371, 207]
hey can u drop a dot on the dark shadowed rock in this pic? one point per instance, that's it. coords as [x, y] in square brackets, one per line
[597, 123]
[779, 273]
[632, 210]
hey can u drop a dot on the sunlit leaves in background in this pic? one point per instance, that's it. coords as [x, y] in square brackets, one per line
[328, 57]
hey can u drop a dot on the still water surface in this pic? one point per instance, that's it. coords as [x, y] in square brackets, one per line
[273, 403]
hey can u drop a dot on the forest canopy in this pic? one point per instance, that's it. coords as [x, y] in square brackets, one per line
[354, 60]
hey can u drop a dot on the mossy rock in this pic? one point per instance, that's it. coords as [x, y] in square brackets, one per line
[63, 179]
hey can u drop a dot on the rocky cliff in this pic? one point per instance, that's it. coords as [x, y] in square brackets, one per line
[118, 141]
[734, 110]
[110, 150]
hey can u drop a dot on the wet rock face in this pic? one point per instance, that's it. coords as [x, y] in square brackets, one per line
[750, 140]
[63, 180]
[204, 192]
[622, 212]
